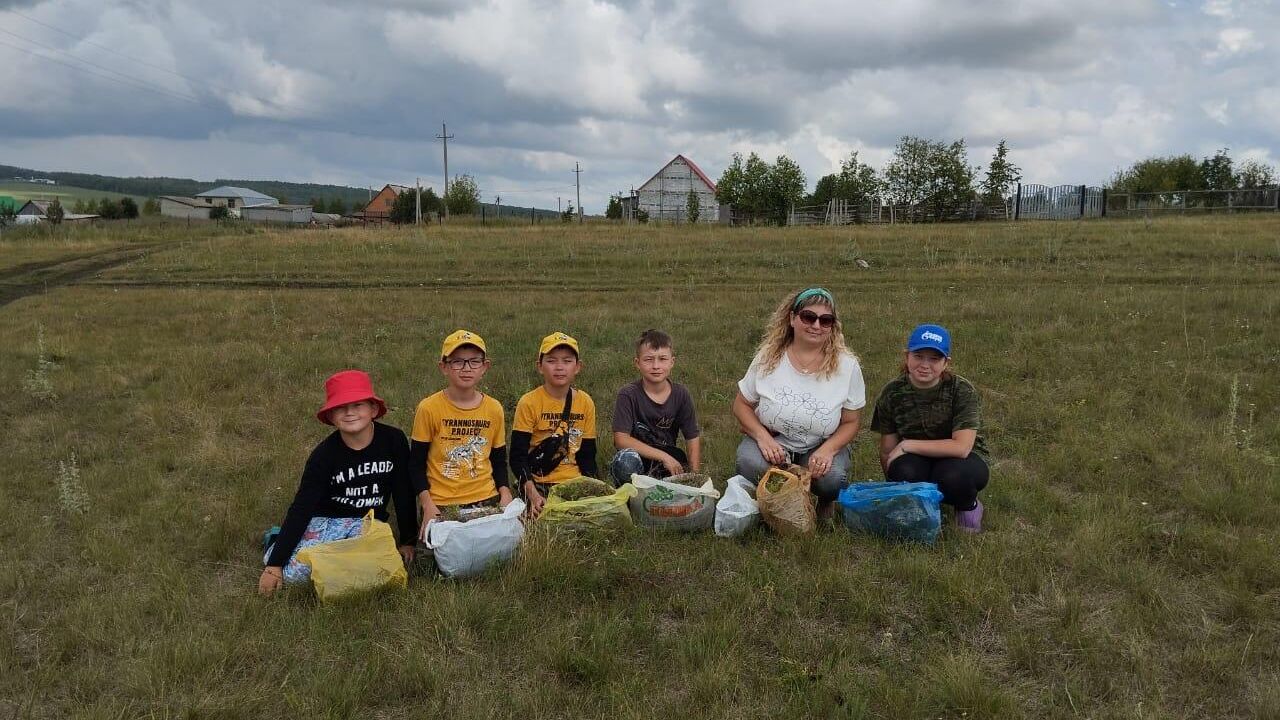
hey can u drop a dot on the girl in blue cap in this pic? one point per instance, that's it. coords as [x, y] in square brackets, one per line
[929, 420]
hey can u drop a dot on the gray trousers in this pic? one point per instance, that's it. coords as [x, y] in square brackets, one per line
[752, 466]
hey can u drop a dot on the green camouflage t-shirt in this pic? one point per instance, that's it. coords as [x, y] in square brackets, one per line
[933, 414]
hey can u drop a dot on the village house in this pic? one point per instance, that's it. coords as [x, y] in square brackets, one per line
[665, 196]
[378, 209]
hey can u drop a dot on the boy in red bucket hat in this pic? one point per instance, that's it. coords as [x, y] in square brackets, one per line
[359, 466]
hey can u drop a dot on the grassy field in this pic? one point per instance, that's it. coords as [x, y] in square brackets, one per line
[163, 412]
[24, 191]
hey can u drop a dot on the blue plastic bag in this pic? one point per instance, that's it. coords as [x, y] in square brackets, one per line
[897, 510]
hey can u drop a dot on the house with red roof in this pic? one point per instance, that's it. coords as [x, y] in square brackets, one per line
[665, 196]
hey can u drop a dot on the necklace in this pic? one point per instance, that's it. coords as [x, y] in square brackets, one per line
[800, 367]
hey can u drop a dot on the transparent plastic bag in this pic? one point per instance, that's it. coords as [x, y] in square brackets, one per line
[897, 510]
[737, 512]
[355, 565]
[671, 505]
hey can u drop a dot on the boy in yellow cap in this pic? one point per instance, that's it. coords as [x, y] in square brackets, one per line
[553, 435]
[458, 450]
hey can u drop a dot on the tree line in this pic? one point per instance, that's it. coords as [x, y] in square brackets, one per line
[1184, 172]
[930, 176]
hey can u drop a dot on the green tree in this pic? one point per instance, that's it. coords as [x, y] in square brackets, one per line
[316, 203]
[729, 187]
[642, 215]
[930, 177]
[567, 215]
[614, 210]
[1160, 174]
[151, 207]
[857, 182]
[128, 208]
[785, 188]
[1255, 174]
[1217, 171]
[337, 206]
[219, 212]
[54, 212]
[108, 209]
[1001, 175]
[692, 207]
[80, 208]
[405, 209]
[463, 197]
[825, 191]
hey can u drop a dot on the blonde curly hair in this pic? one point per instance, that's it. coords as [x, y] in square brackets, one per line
[778, 333]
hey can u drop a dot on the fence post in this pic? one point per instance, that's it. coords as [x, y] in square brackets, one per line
[1083, 189]
[1276, 206]
[1104, 202]
[1017, 203]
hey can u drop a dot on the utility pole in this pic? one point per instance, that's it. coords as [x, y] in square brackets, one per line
[497, 201]
[558, 210]
[577, 179]
[417, 215]
[445, 136]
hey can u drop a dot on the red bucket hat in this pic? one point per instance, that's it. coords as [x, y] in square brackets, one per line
[349, 386]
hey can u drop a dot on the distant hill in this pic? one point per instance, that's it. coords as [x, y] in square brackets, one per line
[156, 186]
[353, 198]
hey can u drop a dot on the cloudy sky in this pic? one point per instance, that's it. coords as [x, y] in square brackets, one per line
[328, 91]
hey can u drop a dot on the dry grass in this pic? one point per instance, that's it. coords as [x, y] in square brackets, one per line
[1129, 569]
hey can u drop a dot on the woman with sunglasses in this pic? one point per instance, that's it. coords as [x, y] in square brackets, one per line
[800, 399]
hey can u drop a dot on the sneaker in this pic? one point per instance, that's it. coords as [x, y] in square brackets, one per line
[970, 520]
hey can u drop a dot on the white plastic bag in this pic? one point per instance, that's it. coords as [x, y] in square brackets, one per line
[672, 506]
[738, 511]
[463, 549]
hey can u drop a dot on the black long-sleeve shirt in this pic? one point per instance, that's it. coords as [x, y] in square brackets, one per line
[340, 482]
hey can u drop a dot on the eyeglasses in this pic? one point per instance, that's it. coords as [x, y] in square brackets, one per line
[809, 317]
[470, 363]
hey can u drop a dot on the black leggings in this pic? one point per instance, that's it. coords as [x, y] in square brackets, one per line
[959, 479]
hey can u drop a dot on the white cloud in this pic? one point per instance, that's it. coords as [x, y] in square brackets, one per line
[329, 91]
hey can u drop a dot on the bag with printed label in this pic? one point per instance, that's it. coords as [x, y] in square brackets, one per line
[737, 512]
[466, 548]
[366, 562]
[785, 503]
[896, 510]
[597, 512]
[684, 502]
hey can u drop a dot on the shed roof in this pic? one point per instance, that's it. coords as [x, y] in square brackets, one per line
[250, 197]
[192, 202]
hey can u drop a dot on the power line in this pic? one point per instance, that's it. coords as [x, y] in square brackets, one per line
[104, 76]
[143, 84]
[161, 68]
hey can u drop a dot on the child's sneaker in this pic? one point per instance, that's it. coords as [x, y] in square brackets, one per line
[970, 520]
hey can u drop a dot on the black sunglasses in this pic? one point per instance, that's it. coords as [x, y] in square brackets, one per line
[809, 317]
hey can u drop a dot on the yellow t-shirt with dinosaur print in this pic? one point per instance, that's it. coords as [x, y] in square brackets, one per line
[458, 467]
[538, 414]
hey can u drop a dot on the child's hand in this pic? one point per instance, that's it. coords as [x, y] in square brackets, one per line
[271, 580]
[672, 465]
[504, 497]
[406, 552]
[897, 452]
[536, 501]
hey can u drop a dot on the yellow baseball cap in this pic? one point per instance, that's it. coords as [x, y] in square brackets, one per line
[555, 340]
[459, 338]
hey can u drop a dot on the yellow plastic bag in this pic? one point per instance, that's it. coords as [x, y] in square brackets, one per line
[367, 562]
[608, 512]
[788, 508]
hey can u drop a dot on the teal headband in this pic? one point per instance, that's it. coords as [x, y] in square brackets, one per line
[813, 292]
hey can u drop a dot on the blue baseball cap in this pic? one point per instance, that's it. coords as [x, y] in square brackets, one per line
[930, 337]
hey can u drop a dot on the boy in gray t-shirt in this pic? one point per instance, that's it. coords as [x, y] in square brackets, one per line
[649, 415]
